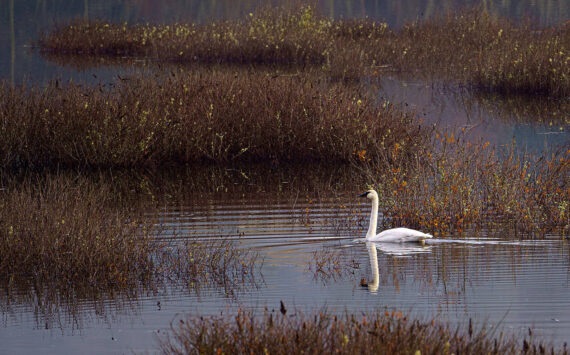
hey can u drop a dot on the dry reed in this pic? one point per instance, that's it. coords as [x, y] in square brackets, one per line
[73, 233]
[457, 184]
[179, 118]
[324, 333]
[491, 54]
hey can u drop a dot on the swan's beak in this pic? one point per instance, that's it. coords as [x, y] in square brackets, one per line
[364, 194]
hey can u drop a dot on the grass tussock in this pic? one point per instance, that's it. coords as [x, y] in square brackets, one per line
[323, 333]
[461, 185]
[328, 264]
[492, 54]
[181, 118]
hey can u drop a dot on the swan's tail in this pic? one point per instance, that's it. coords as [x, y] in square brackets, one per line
[428, 236]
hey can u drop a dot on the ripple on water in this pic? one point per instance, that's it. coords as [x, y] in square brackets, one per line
[517, 284]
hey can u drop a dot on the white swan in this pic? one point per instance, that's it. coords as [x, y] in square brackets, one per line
[395, 235]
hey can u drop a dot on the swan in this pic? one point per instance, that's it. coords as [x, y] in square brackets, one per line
[395, 235]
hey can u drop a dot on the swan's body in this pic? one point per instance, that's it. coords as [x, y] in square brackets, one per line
[395, 235]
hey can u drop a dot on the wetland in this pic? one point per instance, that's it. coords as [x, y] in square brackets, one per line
[181, 184]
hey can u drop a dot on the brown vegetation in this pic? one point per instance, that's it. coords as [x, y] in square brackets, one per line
[471, 47]
[456, 185]
[181, 117]
[73, 233]
[323, 333]
[69, 231]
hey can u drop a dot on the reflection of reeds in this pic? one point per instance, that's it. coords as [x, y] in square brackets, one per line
[199, 264]
[473, 47]
[325, 333]
[527, 109]
[329, 264]
[180, 118]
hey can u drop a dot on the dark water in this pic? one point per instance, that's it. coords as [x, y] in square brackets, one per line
[514, 285]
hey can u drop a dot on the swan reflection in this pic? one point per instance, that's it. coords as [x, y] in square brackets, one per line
[394, 249]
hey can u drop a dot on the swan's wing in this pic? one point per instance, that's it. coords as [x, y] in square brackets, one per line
[400, 235]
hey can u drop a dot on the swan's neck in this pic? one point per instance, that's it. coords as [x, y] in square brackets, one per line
[373, 219]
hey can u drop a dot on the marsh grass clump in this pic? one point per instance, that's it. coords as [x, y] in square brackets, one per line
[325, 333]
[329, 264]
[181, 118]
[492, 54]
[461, 185]
[268, 36]
[471, 47]
[526, 109]
[77, 232]
[70, 232]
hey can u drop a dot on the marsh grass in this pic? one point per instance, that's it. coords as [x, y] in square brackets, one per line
[526, 109]
[269, 36]
[488, 53]
[178, 118]
[457, 185]
[326, 333]
[472, 47]
[72, 234]
[69, 231]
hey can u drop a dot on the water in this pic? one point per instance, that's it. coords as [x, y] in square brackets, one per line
[514, 285]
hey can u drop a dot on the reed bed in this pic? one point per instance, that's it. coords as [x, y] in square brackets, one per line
[181, 118]
[526, 109]
[325, 333]
[457, 185]
[220, 264]
[70, 233]
[269, 36]
[490, 54]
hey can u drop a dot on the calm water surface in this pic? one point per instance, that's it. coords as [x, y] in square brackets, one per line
[514, 284]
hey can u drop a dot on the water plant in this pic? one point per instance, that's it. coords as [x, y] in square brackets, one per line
[380, 332]
[69, 233]
[457, 184]
[470, 47]
[183, 117]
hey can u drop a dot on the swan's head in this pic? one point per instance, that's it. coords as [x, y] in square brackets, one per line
[370, 194]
